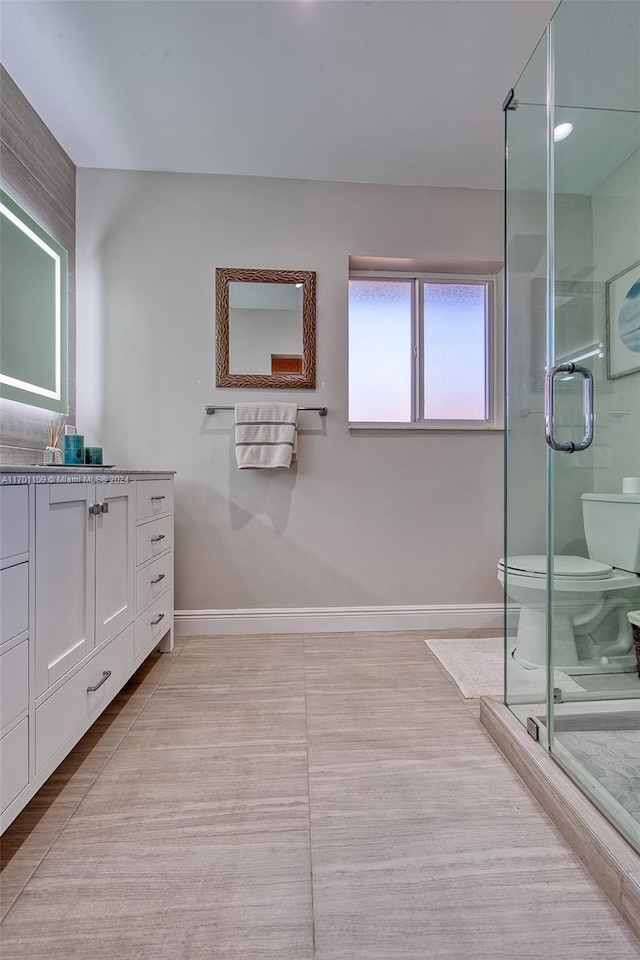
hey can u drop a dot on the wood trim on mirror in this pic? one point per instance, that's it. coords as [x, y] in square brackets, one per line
[286, 381]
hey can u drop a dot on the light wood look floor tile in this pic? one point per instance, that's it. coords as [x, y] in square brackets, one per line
[209, 705]
[185, 919]
[245, 690]
[221, 725]
[230, 768]
[631, 901]
[388, 780]
[246, 646]
[15, 875]
[256, 654]
[201, 671]
[294, 798]
[229, 662]
[33, 832]
[177, 794]
[404, 714]
[265, 856]
[484, 890]
[363, 676]
[365, 649]
[377, 647]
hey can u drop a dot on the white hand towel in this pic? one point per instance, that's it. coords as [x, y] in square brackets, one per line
[265, 435]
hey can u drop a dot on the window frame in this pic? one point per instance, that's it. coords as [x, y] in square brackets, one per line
[493, 420]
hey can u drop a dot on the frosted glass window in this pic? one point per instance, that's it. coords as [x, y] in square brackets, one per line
[455, 351]
[429, 365]
[380, 354]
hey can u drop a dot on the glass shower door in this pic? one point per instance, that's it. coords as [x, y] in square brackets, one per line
[525, 352]
[592, 400]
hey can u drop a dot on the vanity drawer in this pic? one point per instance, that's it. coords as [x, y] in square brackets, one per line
[14, 601]
[153, 538]
[153, 580]
[14, 520]
[14, 763]
[153, 498]
[152, 625]
[71, 704]
[14, 683]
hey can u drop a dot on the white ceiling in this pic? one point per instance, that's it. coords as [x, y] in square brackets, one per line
[380, 92]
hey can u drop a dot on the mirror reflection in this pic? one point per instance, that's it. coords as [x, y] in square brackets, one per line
[265, 328]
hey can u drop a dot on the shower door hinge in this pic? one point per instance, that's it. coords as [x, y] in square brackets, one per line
[510, 102]
[557, 695]
[532, 728]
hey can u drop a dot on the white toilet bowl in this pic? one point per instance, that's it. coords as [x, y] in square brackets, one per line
[591, 633]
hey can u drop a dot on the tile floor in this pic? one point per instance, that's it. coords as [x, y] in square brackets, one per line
[295, 798]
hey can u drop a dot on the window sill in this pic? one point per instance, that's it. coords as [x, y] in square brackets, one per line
[429, 428]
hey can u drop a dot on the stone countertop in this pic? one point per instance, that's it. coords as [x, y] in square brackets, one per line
[97, 473]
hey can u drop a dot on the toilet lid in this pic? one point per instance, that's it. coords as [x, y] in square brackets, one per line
[578, 568]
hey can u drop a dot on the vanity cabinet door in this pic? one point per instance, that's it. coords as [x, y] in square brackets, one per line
[65, 578]
[115, 545]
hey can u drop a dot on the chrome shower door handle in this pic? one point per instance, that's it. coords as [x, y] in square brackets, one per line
[587, 406]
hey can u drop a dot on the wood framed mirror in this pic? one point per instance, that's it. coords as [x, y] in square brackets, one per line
[265, 328]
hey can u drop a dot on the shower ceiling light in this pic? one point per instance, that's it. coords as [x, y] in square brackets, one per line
[562, 131]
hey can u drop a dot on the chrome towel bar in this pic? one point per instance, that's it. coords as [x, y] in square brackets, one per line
[210, 410]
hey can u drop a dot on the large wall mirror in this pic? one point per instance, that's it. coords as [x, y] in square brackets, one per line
[265, 328]
[33, 311]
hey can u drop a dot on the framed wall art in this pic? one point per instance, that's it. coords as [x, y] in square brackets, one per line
[623, 322]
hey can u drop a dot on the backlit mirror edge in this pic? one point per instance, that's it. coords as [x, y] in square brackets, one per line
[12, 390]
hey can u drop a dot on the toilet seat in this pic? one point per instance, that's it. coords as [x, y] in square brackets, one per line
[571, 575]
[564, 567]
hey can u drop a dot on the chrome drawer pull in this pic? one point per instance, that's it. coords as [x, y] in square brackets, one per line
[157, 539]
[96, 686]
[158, 497]
[95, 509]
[157, 579]
[157, 620]
[104, 507]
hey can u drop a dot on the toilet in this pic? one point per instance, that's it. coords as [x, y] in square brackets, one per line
[591, 596]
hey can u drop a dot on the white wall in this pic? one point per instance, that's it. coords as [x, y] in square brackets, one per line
[616, 246]
[390, 518]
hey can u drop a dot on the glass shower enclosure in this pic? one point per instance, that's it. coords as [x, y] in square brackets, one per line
[571, 565]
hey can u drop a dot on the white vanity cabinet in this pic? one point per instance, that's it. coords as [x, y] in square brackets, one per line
[154, 563]
[84, 572]
[115, 547]
[14, 641]
[82, 605]
[65, 564]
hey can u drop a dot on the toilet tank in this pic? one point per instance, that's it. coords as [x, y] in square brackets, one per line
[612, 528]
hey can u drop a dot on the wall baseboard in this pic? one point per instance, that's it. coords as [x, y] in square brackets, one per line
[218, 623]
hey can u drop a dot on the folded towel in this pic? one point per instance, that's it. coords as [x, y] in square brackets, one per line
[266, 435]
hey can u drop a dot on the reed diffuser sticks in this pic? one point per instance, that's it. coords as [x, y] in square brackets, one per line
[55, 432]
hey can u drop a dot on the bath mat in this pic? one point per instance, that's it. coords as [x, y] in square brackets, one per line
[476, 667]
